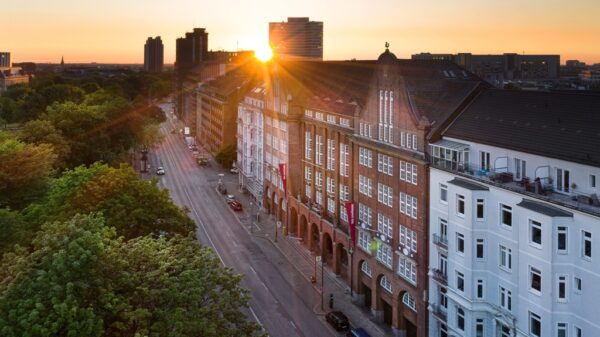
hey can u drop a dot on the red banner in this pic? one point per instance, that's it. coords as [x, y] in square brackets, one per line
[351, 223]
[283, 175]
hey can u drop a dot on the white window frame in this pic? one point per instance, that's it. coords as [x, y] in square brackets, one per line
[534, 271]
[535, 225]
[331, 154]
[460, 278]
[509, 209]
[307, 145]
[480, 242]
[366, 269]
[562, 231]
[505, 298]
[385, 283]
[407, 269]
[444, 187]
[562, 280]
[319, 149]
[505, 258]
[460, 241]
[480, 202]
[480, 283]
[344, 160]
[538, 318]
[460, 201]
[586, 237]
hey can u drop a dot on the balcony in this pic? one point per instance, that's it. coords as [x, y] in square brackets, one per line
[540, 188]
[440, 241]
[440, 277]
[439, 312]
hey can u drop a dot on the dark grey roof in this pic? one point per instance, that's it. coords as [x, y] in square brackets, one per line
[556, 125]
[468, 185]
[541, 208]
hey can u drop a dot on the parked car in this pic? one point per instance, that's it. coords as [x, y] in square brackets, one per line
[160, 171]
[195, 153]
[202, 161]
[235, 205]
[229, 198]
[234, 170]
[358, 332]
[338, 320]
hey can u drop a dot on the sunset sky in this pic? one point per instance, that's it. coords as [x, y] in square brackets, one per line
[115, 30]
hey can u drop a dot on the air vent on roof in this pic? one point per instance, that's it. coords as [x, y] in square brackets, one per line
[452, 74]
[446, 73]
[464, 73]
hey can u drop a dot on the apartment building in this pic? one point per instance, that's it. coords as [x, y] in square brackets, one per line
[250, 140]
[515, 218]
[357, 134]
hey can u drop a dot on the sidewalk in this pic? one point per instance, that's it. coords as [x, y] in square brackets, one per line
[304, 262]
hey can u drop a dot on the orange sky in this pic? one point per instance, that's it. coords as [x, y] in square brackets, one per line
[115, 30]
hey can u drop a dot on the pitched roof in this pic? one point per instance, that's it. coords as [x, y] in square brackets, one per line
[469, 185]
[556, 125]
[541, 208]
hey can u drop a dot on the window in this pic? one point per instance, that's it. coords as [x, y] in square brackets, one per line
[480, 249]
[484, 160]
[506, 215]
[562, 239]
[365, 215]
[366, 268]
[479, 291]
[535, 279]
[592, 181]
[344, 192]
[384, 225]
[563, 180]
[460, 281]
[505, 258]
[307, 173]
[443, 297]
[364, 185]
[577, 332]
[365, 157]
[561, 292]
[319, 149]
[586, 245]
[386, 106]
[385, 164]
[384, 255]
[460, 205]
[330, 185]
[407, 269]
[535, 232]
[520, 169]
[331, 154]
[535, 325]
[364, 240]
[460, 319]
[319, 116]
[409, 301]
[385, 194]
[444, 230]
[480, 209]
[479, 327]
[408, 172]
[331, 205]
[443, 330]
[344, 161]
[331, 119]
[385, 283]
[505, 298]
[460, 243]
[408, 205]
[318, 179]
[319, 197]
[505, 331]
[408, 238]
[577, 284]
[308, 191]
[308, 146]
[444, 193]
[345, 122]
[561, 329]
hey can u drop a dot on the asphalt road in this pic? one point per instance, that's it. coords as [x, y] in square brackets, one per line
[281, 309]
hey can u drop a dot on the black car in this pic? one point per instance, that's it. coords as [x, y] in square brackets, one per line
[338, 320]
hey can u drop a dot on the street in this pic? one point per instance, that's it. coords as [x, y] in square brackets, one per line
[280, 307]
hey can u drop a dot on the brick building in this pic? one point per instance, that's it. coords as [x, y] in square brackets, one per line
[357, 131]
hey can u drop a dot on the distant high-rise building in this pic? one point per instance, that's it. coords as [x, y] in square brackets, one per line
[153, 54]
[5, 60]
[191, 49]
[298, 38]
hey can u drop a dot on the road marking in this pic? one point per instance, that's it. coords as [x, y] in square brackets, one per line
[202, 226]
[234, 243]
[254, 271]
[263, 284]
[294, 325]
[256, 317]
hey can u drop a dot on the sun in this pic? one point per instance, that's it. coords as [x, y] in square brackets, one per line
[263, 53]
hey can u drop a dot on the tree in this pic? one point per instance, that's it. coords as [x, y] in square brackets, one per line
[40, 131]
[13, 230]
[62, 93]
[133, 206]
[226, 156]
[79, 280]
[8, 109]
[24, 170]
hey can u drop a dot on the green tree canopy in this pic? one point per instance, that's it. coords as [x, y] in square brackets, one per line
[40, 131]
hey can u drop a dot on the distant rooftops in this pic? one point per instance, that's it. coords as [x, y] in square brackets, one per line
[551, 124]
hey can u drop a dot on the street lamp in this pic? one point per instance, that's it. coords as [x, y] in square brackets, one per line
[351, 252]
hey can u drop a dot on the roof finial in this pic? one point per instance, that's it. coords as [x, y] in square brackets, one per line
[387, 46]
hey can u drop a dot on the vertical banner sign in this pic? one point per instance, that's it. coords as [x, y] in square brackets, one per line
[351, 223]
[283, 175]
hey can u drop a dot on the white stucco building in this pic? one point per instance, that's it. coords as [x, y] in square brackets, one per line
[514, 218]
[250, 142]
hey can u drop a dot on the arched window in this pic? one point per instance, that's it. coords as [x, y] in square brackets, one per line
[409, 301]
[460, 319]
[366, 268]
[386, 284]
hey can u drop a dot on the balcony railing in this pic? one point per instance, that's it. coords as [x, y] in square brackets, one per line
[439, 312]
[440, 241]
[539, 188]
[440, 277]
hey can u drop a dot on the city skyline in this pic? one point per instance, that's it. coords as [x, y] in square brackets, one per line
[85, 32]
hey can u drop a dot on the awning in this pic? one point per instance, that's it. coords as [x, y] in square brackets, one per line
[452, 145]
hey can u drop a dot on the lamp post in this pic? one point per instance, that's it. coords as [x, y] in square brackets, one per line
[351, 252]
[322, 285]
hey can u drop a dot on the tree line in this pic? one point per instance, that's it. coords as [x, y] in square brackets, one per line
[88, 248]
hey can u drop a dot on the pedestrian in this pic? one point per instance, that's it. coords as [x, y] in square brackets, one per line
[331, 301]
